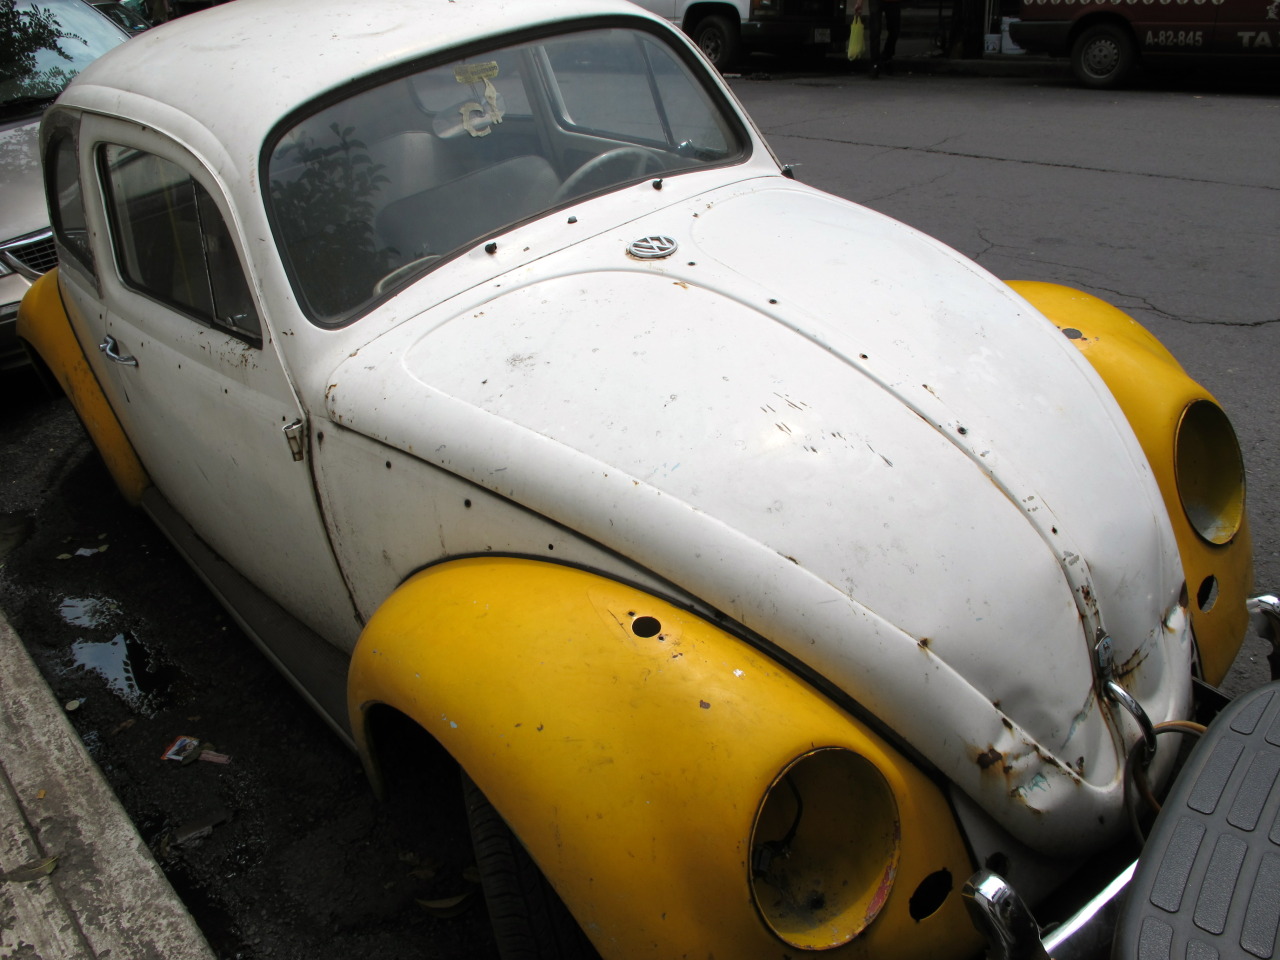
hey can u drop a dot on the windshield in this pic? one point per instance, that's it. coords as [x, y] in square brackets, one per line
[43, 45]
[370, 191]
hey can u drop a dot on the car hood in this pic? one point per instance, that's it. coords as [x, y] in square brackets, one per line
[848, 438]
[21, 183]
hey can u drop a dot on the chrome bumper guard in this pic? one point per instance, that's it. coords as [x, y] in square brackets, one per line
[1012, 933]
[1207, 883]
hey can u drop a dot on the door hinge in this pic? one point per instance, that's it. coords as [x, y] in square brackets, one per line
[294, 433]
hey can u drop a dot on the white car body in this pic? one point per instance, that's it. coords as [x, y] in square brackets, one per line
[808, 419]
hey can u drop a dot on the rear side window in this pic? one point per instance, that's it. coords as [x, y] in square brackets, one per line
[66, 198]
[171, 242]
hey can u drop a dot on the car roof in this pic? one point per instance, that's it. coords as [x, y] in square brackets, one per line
[238, 68]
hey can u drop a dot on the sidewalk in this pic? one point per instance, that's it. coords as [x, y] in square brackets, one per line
[105, 896]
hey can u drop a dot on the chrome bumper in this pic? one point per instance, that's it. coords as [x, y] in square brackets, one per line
[1013, 934]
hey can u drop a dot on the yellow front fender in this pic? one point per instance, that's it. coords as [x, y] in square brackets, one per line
[1154, 392]
[43, 324]
[629, 744]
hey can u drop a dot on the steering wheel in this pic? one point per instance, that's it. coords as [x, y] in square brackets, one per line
[639, 159]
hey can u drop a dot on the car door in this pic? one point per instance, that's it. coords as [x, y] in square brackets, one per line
[191, 370]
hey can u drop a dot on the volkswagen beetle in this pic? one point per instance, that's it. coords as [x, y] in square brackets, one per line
[494, 373]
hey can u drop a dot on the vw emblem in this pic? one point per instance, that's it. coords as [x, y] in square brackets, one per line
[652, 248]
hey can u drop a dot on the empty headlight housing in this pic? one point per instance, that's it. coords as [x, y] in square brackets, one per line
[824, 849]
[1209, 471]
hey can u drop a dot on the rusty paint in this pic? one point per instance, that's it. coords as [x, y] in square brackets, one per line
[990, 758]
[1136, 659]
[881, 896]
[923, 643]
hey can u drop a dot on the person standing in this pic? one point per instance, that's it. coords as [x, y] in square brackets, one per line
[891, 10]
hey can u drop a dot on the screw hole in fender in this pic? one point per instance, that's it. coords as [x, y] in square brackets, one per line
[646, 627]
[931, 894]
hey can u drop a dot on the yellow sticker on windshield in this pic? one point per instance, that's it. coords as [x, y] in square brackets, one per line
[475, 72]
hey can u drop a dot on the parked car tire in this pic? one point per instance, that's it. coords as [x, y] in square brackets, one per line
[530, 921]
[1103, 55]
[718, 38]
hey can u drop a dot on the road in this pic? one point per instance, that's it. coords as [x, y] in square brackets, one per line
[1162, 199]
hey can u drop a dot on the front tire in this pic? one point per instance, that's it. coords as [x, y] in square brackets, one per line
[530, 921]
[718, 38]
[1102, 56]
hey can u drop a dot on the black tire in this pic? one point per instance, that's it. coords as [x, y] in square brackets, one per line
[1103, 55]
[718, 38]
[530, 921]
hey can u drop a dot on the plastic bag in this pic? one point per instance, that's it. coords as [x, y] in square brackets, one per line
[857, 39]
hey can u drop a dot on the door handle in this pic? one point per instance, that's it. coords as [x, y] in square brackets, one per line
[111, 348]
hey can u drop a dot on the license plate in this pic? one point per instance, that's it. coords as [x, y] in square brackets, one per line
[822, 35]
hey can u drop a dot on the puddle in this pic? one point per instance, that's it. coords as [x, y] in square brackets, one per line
[129, 669]
[87, 611]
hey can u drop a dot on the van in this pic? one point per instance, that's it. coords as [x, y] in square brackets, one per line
[1107, 38]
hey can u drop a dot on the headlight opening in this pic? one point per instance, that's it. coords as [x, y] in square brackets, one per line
[1210, 472]
[824, 849]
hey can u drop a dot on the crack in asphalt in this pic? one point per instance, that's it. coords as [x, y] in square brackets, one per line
[934, 151]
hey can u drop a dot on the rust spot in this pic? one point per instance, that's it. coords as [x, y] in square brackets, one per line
[923, 643]
[1133, 663]
[704, 705]
[881, 896]
[1008, 724]
[989, 759]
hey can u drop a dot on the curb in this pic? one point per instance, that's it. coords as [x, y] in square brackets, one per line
[106, 896]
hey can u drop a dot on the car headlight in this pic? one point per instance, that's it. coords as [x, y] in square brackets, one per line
[824, 849]
[1210, 472]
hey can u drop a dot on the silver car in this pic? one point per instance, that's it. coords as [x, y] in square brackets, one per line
[47, 43]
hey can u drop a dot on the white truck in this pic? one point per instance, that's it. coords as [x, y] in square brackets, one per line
[726, 29]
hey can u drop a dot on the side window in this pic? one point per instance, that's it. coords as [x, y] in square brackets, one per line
[171, 241]
[66, 199]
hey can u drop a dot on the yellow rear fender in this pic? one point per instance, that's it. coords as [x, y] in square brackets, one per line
[44, 326]
[685, 794]
[1161, 403]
